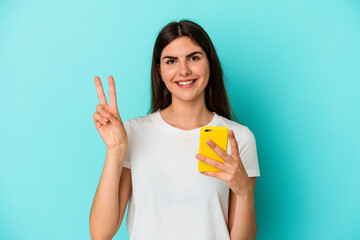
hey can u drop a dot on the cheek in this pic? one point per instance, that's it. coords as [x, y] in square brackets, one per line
[168, 73]
[201, 69]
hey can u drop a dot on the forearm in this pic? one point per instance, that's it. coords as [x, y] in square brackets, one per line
[105, 209]
[244, 225]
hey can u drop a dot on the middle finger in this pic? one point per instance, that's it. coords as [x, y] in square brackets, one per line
[218, 150]
[100, 91]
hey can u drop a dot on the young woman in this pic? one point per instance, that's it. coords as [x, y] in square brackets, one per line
[152, 160]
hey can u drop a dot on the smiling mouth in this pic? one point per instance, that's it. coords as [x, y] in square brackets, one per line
[186, 83]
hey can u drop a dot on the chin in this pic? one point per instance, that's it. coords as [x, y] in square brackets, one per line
[188, 98]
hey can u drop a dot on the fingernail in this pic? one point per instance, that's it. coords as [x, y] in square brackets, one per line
[210, 143]
[106, 120]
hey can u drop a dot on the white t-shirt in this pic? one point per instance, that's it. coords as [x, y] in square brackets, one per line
[170, 199]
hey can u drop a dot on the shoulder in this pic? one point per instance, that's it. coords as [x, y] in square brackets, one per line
[139, 122]
[242, 132]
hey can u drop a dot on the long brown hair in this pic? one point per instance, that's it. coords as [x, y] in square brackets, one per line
[216, 98]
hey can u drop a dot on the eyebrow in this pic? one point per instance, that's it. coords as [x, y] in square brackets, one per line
[189, 55]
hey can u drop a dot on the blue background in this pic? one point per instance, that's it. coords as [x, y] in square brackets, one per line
[292, 73]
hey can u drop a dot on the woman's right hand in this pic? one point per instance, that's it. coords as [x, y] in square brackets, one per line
[108, 122]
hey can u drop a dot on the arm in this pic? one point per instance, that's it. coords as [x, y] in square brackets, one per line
[111, 196]
[242, 218]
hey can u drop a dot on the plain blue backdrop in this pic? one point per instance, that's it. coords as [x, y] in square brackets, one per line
[292, 72]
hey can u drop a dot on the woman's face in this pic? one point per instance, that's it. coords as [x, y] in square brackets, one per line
[182, 62]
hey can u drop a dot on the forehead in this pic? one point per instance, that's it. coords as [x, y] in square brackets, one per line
[180, 47]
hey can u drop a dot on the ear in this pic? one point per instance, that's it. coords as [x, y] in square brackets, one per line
[158, 67]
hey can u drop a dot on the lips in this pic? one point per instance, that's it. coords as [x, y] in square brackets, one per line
[187, 85]
[185, 80]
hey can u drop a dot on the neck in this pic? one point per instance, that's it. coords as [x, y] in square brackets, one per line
[187, 115]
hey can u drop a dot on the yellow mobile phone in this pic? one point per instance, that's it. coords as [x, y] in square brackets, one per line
[219, 135]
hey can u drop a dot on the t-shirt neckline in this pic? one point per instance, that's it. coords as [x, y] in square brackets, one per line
[173, 129]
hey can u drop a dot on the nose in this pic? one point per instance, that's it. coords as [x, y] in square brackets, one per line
[184, 69]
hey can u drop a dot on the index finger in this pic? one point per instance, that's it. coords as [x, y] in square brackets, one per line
[233, 143]
[100, 91]
[112, 91]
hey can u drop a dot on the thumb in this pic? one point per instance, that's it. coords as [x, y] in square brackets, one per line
[106, 114]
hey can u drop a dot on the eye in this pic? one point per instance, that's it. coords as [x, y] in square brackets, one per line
[196, 57]
[171, 61]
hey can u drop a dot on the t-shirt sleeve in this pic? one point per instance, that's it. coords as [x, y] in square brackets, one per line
[127, 156]
[248, 154]
[127, 162]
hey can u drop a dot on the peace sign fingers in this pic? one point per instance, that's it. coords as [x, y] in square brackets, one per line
[100, 91]
[112, 91]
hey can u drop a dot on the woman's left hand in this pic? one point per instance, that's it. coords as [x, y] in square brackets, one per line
[232, 170]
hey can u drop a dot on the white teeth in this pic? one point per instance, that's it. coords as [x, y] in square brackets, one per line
[186, 83]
